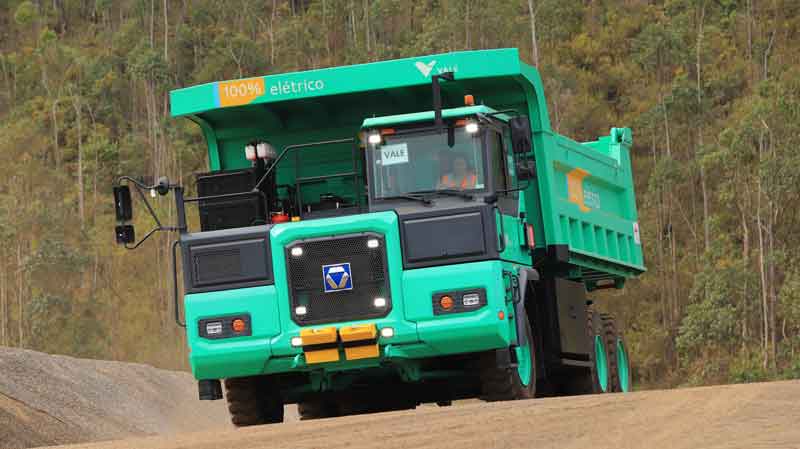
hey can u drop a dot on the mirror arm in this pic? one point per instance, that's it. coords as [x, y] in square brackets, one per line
[179, 202]
[152, 231]
[147, 204]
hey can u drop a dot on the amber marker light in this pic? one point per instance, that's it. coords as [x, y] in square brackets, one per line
[501, 315]
[446, 302]
[238, 325]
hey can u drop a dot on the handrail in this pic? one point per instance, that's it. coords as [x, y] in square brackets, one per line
[293, 147]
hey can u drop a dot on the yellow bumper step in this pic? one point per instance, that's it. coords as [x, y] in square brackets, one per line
[360, 342]
[358, 332]
[367, 333]
[326, 335]
[362, 352]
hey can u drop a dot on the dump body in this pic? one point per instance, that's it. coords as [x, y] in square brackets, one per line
[384, 240]
[584, 194]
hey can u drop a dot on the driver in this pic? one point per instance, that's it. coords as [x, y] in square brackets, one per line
[462, 177]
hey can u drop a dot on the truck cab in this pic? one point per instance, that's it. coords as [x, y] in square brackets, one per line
[374, 237]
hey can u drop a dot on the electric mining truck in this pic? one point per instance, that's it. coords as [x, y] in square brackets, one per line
[377, 236]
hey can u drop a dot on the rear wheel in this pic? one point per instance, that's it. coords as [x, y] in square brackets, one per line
[508, 383]
[595, 379]
[252, 402]
[618, 362]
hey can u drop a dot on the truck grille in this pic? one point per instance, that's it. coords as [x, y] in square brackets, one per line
[331, 300]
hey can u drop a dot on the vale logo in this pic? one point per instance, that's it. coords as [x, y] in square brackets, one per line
[425, 69]
[337, 277]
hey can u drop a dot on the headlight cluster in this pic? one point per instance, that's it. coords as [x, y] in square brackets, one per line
[458, 301]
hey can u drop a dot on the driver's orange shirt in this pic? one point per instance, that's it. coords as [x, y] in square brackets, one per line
[467, 182]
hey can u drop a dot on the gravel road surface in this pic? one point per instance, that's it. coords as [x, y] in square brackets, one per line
[763, 415]
[49, 399]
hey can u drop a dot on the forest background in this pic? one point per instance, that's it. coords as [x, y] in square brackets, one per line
[710, 87]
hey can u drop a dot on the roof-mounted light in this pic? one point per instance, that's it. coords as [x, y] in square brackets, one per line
[265, 151]
[250, 152]
[374, 138]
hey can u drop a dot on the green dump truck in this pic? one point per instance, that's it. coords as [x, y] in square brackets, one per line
[377, 236]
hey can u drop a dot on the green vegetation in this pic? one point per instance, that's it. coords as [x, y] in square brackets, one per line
[711, 89]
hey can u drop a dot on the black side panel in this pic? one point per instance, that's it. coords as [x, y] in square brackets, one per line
[448, 236]
[226, 213]
[221, 260]
[571, 297]
[559, 320]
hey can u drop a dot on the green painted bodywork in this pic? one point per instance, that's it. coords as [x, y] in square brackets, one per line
[601, 363]
[418, 332]
[598, 228]
[623, 367]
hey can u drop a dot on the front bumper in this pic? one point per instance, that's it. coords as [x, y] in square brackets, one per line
[418, 333]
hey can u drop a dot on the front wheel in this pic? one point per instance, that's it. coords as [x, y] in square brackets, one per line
[511, 382]
[252, 402]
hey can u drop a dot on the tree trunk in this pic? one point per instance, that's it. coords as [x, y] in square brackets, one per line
[3, 306]
[20, 306]
[152, 23]
[467, 43]
[746, 262]
[762, 265]
[166, 34]
[56, 147]
[703, 181]
[272, 32]
[366, 27]
[534, 44]
[76, 103]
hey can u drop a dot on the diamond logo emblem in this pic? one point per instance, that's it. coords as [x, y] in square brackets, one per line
[337, 277]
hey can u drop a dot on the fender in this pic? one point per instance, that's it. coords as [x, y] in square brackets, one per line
[526, 276]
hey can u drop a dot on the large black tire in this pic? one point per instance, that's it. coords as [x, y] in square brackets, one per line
[317, 410]
[587, 381]
[252, 402]
[504, 383]
[357, 403]
[610, 337]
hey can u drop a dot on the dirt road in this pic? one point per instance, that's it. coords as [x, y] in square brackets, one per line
[738, 416]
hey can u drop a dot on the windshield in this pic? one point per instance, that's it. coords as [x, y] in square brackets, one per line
[411, 163]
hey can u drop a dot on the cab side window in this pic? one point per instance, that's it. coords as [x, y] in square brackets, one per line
[499, 172]
[507, 202]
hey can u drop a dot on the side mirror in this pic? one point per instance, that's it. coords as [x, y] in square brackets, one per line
[526, 169]
[125, 234]
[520, 134]
[122, 203]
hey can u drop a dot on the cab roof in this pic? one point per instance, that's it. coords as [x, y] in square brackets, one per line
[426, 116]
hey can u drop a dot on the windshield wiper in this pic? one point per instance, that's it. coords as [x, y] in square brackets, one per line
[422, 199]
[449, 192]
